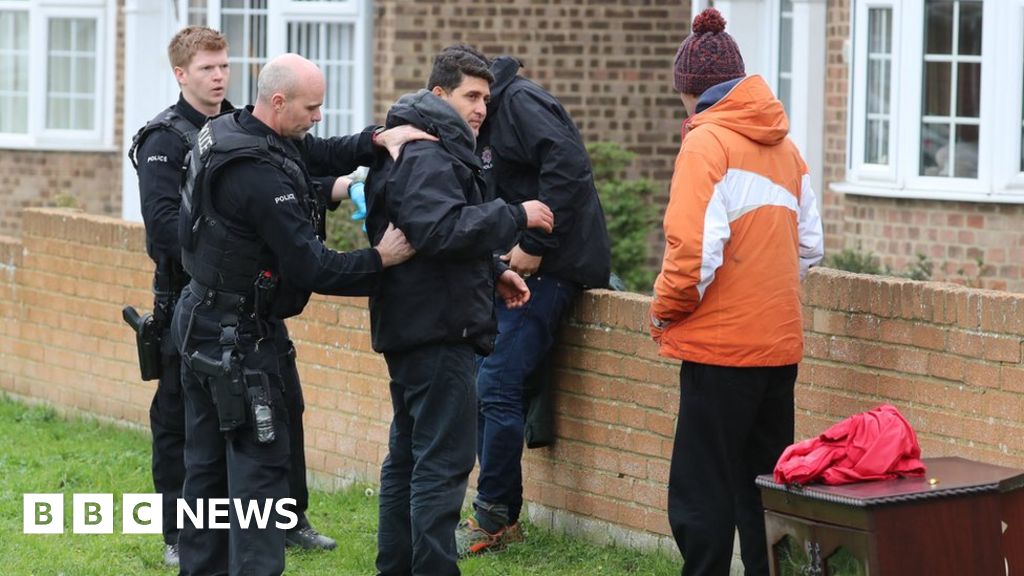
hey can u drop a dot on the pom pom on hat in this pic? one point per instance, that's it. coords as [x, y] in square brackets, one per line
[708, 56]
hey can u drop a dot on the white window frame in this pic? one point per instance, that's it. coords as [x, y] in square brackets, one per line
[38, 136]
[281, 13]
[1000, 178]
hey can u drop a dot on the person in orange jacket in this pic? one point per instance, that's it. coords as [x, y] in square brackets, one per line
[741, 230]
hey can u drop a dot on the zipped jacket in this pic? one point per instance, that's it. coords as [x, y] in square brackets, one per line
[530, 149]
[741, 230]
[433, 193]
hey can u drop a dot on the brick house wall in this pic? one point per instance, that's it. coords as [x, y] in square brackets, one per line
[609, 62]
[30, 178]
[970, 243]
[947, 356]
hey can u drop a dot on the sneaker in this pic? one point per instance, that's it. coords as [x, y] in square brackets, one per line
[471, 539]
[171, 555]
[306, 537]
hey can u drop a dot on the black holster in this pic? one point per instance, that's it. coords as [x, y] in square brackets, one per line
[226, 388]
[148, 335]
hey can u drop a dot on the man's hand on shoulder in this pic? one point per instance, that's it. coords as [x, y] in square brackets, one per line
[393, 247]
[394, 138]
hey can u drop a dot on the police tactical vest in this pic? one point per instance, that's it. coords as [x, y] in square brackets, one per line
[170, 120]
[212, 254]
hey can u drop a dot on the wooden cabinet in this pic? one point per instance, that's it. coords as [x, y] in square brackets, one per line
[962, 518]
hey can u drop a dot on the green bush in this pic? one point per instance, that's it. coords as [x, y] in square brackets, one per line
[860, 262]
[343, 233]
[855, 260]
[629, 213]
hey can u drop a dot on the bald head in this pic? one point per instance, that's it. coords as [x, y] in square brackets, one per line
[284, 75]
[290, 91]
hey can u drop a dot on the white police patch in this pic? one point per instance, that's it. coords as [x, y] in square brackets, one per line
[157, 158]
[487, 158]
[284, 198]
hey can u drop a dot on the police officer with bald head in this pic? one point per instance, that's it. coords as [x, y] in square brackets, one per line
[251, 235]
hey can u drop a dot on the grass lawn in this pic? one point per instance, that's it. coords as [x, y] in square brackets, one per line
[42, 453]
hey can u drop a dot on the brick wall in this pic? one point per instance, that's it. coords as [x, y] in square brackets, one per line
[609, 62]
[949, 357]
[837, 73]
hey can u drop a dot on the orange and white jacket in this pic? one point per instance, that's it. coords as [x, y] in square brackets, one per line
[741, 230]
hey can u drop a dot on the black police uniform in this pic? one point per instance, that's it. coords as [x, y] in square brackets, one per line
[158, 153]
[430, 316]
[249, 237]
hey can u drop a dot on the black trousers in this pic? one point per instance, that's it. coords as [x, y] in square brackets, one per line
[734, 423]
[431, 451]
[167, 424]
[233, 464]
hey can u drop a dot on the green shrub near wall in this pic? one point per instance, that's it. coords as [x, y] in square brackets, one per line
[629, 212]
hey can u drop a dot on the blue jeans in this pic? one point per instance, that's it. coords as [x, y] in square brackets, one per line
[524, 337]
[430, 455]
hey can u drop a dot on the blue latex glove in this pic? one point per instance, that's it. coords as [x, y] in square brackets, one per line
[358, 197]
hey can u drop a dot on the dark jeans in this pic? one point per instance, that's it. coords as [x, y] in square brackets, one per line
[430, 455]
[524, 337]
[733, 425]
[167, 424]
[230, 465]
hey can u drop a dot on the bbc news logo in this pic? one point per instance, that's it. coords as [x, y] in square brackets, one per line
[142, 513]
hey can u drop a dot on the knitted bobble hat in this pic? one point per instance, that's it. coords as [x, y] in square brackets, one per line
[708, 56]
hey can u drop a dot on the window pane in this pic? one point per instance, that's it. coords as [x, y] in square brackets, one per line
[935, 150]
[784, 79]
[85, 76]
[937, 80]
[330, 46]
[951, 96]
[879, 30]
[244, 23]
[938, 31]
[60, 34]
[197, 12]
[786, 43]
[879, 67]
[965, 163]
[13, 72]
[71, 65]
[968, 93]
[877, 142]
[82, 114]
[970, 28]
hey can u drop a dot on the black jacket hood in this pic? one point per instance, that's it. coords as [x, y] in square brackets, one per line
[505, 70]
[433, 115]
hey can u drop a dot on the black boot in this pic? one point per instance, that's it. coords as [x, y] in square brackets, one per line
[305, 536]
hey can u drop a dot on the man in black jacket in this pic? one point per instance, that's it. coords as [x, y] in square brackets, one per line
[432, 315]
[529, 149]
[249, 232]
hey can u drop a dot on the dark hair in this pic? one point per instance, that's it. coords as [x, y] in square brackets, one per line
[454, 62]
